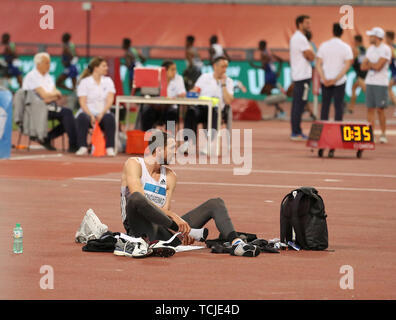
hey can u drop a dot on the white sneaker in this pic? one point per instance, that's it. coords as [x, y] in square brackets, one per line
[110, 152]
[82, 151]
[383, 139]
[90, 228]
[141, 249]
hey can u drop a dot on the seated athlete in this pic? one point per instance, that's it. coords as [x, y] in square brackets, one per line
[147, 186]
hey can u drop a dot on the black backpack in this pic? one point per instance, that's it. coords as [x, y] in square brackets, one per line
[303, 211]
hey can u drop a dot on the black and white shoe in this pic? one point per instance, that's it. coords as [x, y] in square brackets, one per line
[244, 249]
[141, 248]
[165, 249]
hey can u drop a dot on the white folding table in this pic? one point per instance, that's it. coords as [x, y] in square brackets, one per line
[171, 101]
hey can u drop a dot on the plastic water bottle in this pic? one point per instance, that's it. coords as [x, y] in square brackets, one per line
[18, 239]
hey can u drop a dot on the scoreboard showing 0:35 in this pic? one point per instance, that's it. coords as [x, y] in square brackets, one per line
[356, 133]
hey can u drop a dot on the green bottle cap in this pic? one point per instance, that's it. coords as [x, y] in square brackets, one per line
[18, 225]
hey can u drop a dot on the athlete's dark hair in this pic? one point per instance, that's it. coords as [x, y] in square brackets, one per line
[213, 39]
[263, 44]
[126, 43]
[167, 64]
[66, 37]
[390, 35]
[190, 38]
[337, 30]
[300, 19]
[158, 135]
[5, 38]
[358, 38]
[220, 58]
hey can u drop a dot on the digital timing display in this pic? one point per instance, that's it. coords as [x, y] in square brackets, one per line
[356, 133]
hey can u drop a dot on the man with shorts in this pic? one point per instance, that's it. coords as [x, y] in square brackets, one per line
[359, 53]
[147, 186]
[378, 57]
[301, 55]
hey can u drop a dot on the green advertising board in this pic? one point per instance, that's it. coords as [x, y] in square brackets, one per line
[252, 78]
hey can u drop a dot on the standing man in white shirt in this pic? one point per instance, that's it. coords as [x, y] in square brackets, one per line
[301, 55]
[334, 58]
[42, 83]
[214, 84]
[378, 57]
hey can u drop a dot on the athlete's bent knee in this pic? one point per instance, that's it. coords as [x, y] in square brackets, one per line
[216, 202]
[135, 197]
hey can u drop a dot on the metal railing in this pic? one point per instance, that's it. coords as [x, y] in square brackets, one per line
[150, 52]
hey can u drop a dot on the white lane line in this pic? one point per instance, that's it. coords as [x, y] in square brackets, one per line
[327, 173]
[38, 156]
[388, 132]
[332, 180]
[254, 185]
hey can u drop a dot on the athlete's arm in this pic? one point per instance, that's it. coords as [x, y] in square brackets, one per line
[48, 96]
[319, 68]
[309, 55]
[184, 227]
[378, 65]
[365, 65]
[83, 104]
[108, 104]
[343, 72]
[133, 173]
[170, 187]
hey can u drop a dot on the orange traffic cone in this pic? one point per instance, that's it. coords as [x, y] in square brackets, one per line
[98, 142]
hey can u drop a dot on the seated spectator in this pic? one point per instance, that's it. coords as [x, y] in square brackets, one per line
[95, 92]
[154, 116]
[42, 83]
[215, 84]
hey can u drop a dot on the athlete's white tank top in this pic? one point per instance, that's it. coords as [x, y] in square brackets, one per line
[218, 50]
[155, 191]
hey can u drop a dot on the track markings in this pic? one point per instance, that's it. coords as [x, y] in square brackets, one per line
[325, 173]
[248, 185]
[38, 156]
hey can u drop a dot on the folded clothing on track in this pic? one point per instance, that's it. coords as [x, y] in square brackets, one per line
[106, 243]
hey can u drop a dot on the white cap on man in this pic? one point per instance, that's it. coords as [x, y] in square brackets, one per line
[377, 32]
